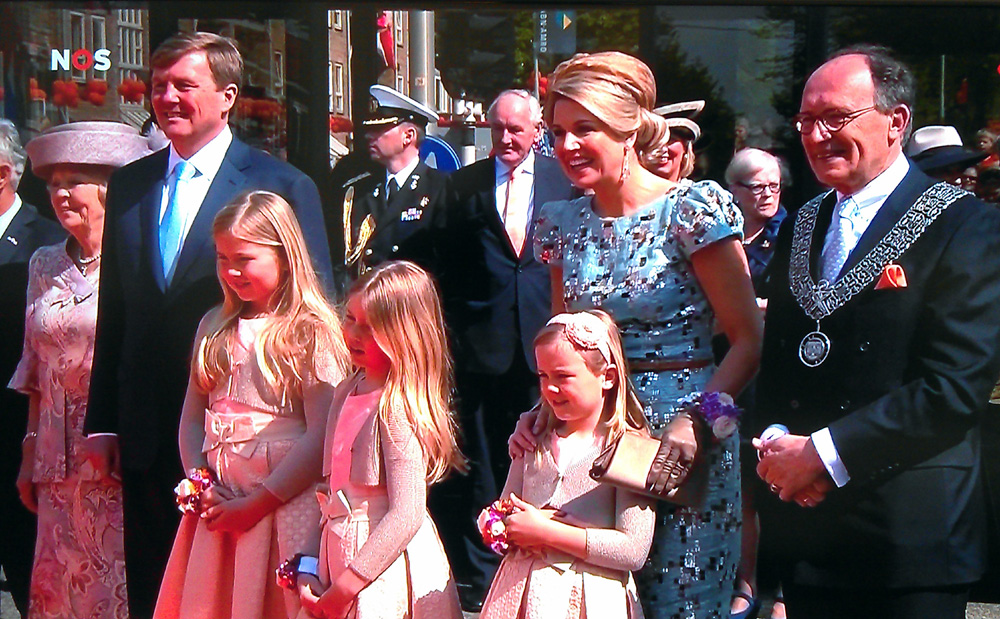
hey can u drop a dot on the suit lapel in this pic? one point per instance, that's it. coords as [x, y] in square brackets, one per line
[227, 183]
[898, 202]
[15, 236]
[489, 200]
[150, 217]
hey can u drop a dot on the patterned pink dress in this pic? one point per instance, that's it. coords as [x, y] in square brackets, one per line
[375, 519]
[250, 437]
[79, 569]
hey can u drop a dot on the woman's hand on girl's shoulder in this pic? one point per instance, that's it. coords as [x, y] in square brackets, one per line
[525, 437]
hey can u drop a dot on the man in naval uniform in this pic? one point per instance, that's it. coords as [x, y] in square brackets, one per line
[393, 215]
[880, 348]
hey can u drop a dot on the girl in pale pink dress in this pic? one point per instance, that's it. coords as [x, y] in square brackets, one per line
[574, 541]
[389, 435]
[79, 566]
[265, 364]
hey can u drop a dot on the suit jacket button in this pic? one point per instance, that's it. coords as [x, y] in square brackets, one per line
[368, 252]
[395, 248]
[845, 405]
[863, 346]
[794, 404]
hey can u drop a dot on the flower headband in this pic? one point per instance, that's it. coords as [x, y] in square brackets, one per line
[586, 331]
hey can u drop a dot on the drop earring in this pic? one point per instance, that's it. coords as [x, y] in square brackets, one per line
[625, 170]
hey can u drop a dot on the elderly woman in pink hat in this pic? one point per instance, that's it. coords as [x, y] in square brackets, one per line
[79, 567]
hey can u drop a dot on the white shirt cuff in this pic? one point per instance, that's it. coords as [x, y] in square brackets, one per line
[823, 442]
[115, 434]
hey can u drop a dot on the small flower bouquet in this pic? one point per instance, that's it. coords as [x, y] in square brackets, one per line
[187, 493]
[491, 525]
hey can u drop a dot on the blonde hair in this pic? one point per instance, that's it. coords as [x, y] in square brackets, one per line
[302, 320]
[402, 305]
[622, 408]
[618, 89]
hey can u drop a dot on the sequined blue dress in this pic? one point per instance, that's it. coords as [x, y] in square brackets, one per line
[638, 269]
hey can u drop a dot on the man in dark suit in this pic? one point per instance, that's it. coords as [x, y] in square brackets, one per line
[159, 278]
[22, 231]
[497, 297]
[880, 349]
[393, 215]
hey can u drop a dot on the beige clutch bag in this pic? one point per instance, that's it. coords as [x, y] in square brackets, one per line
[627, 462]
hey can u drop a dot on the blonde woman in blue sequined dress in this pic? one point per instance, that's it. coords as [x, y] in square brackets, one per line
[665, 260]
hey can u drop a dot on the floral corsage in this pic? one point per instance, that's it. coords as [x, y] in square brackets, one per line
[716, 409]
[491, 525]
[187, 493]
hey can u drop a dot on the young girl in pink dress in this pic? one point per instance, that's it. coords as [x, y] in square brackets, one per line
[390, 434]
[574, 541]
[265, 364]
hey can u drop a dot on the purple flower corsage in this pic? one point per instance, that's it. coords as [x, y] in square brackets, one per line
[717, 409]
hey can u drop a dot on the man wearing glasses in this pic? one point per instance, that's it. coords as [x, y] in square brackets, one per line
[880, 348]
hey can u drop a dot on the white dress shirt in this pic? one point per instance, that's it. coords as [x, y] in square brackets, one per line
[400, 177]
[207, 162]
[520, 202]
[9, 216]
[861, 210]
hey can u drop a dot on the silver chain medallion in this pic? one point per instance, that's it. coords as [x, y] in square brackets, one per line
[820, 299]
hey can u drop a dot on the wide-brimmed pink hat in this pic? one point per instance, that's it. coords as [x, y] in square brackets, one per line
[102, 143]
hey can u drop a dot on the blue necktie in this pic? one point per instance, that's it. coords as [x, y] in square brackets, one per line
[835, 254]
[172, 224]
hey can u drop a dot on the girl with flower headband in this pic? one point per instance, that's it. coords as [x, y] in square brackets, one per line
[390, 435]
[573, 542]
[665, 260]
[251, 431]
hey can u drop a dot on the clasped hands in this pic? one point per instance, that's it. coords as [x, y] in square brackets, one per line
[793, 469]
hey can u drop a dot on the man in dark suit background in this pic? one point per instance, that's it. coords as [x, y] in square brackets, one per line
[496, 297]
[393, 215]
[159, 278]
[880, 349]
[22, 231]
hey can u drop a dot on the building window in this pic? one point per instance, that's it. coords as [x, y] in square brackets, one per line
[131, 45]
[397, 23]
[279, 74]
[99, 41]
[338, 88]
[77, 41]
[400, 84]
[441, 99]
[338, 20]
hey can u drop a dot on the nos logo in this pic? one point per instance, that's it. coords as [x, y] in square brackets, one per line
[81, 59]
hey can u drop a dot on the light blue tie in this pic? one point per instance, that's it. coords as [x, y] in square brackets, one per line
[172, 224]
[835, 254]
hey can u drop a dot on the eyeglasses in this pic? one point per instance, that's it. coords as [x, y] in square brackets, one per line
[757, 189]
[832, 122]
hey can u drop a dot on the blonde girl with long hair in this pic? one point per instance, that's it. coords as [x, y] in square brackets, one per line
[390, 435]
[265, 365]
[574, 542]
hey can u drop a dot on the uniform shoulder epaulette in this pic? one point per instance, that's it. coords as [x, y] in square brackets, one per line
[357, 178]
